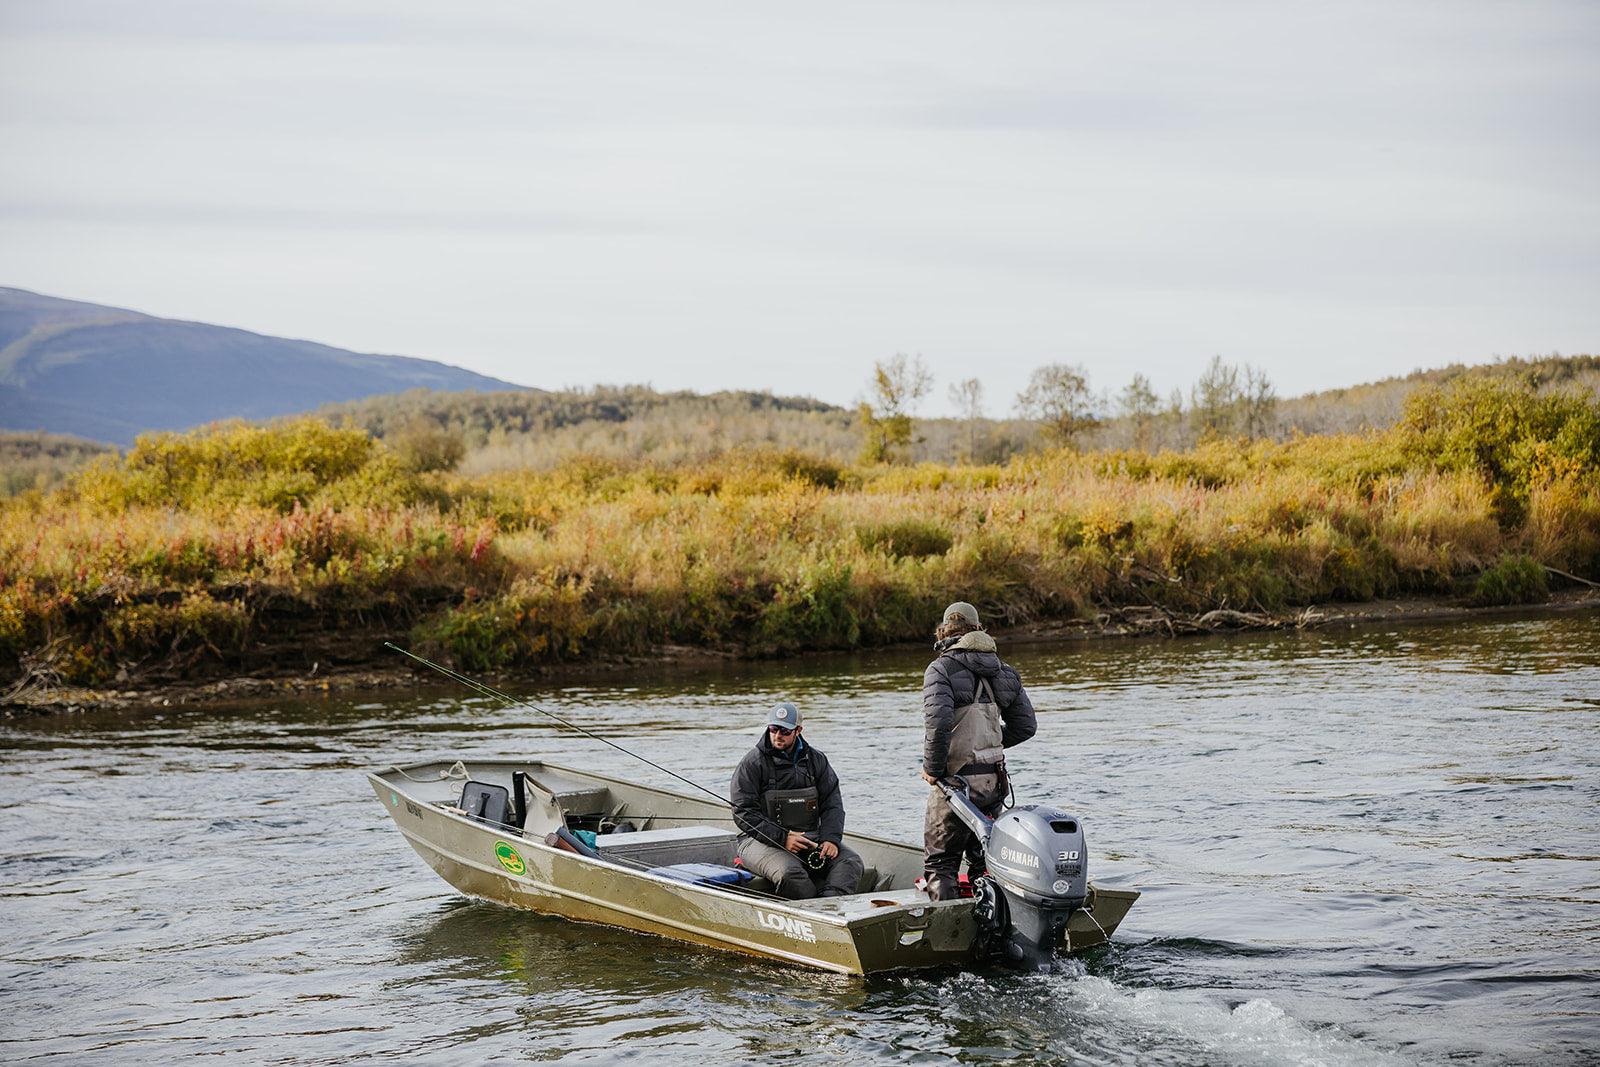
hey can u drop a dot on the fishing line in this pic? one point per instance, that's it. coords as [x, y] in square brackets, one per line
[488, 690]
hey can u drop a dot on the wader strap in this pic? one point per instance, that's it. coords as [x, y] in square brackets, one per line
[982, 768]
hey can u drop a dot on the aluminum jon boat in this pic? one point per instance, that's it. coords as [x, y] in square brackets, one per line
[519, 833]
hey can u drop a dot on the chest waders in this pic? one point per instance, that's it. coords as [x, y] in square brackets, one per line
[975, 753]
[975, 746]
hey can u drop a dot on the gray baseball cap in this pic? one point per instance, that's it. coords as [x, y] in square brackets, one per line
[963, 611]
[785, 715]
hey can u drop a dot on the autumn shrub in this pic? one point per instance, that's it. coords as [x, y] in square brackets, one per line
[172, 551]
[908, 537]
[1563, 524]
[812, 607]
[1513, 437]
[537, 618]
[424, 447]
[1516, 579]
[270, 466]
[194, 622]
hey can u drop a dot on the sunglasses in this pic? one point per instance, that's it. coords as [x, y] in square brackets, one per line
[780, 731]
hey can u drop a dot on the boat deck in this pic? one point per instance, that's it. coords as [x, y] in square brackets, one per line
[643, 828]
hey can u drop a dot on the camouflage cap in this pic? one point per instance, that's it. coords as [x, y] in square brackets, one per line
[961, 611]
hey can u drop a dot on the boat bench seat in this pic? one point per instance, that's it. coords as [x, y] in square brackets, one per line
[672, 845]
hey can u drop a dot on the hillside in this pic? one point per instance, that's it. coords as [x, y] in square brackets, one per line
[501, 431]
[109, 374]
[512, 431]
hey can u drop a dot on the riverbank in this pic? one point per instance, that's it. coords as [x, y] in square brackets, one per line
[380, 671]
[295, 552]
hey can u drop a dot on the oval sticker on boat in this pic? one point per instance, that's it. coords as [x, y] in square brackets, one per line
[509, 859]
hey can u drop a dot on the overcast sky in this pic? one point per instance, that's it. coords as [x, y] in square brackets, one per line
[707, 195]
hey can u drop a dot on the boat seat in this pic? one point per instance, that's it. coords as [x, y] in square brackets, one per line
[489, 804]
[868, 884]
[671, 845]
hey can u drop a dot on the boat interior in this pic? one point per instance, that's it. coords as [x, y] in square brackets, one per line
[642, 828]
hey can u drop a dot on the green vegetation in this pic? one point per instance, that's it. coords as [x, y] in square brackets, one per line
[42, 461]
[475, 433]
[897, 385]
[217, 549]
[1516, 579]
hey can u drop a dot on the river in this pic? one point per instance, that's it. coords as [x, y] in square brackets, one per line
[1364, 846]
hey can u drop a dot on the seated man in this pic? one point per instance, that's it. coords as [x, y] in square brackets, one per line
[790, 816]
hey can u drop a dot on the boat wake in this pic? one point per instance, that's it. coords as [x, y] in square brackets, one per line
[1070, 1016]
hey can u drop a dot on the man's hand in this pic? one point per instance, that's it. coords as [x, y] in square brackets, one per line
[798, 842]
[829, 850]
[926, 777]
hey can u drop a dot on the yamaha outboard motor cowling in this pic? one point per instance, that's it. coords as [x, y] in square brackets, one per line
[1038, 876]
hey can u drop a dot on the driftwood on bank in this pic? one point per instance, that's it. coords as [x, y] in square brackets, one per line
[1156, 619]
[1573, 577]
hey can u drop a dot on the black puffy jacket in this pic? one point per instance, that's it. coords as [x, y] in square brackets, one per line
[951, 681]
[765, 769]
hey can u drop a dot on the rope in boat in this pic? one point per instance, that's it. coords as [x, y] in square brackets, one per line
[457, 770]
[1088, 910]
[489, 690]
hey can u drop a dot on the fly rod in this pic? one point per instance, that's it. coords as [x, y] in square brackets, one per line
[489, 690]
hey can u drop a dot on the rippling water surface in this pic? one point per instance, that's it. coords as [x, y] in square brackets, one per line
[1357, 847]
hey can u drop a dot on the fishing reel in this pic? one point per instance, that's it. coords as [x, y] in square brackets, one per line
[813, 860]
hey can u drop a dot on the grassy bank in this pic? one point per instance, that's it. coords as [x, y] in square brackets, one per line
[243, 547]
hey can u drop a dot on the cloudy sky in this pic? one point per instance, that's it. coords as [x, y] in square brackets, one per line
[708, 195]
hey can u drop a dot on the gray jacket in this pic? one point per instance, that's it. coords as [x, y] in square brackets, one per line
[951, 681]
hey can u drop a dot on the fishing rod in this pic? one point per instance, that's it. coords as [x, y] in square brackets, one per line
[489, 690]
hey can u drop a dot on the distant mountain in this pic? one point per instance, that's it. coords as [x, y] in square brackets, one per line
[109, 374]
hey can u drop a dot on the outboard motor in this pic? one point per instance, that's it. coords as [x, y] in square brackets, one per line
[1038, 876]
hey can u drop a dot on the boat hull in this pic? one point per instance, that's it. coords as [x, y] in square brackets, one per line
[891, 926]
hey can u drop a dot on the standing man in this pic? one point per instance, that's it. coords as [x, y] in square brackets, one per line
[790, 815]
[973, 708]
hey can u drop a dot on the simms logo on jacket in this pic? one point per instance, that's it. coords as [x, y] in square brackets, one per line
[795, 928]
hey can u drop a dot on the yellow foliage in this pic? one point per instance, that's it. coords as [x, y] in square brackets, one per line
[181, 543]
